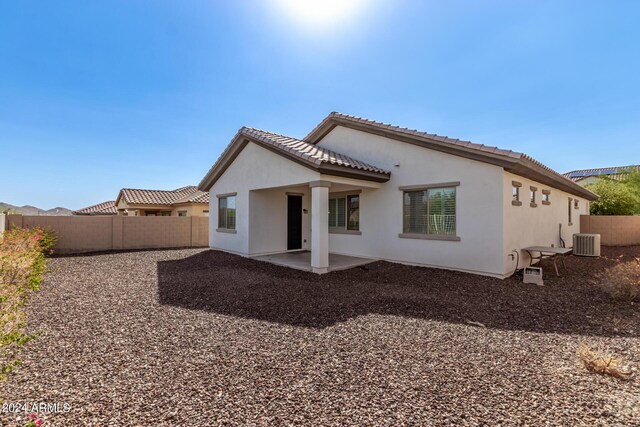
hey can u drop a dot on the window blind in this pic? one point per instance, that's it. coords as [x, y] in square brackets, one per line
[353, 204]
[431, 211]
[222, 212]
[332, 213]
[442, 211]
[231, 213]
[338, 212]
[341, 209]
[415, 212]
[227, 212]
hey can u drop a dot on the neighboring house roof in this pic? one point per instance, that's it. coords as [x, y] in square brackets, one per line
[517, 163]
[302, 152]
[104, 208]
[196, 197]
[616, 172]
[188, 194]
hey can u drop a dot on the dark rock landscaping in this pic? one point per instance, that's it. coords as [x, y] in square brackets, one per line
[199, 337]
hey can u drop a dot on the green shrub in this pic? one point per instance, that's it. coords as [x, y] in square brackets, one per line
[616, 198]
[632, 181]
[22, 265]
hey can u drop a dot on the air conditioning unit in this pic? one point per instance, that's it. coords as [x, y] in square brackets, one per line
[586, 244]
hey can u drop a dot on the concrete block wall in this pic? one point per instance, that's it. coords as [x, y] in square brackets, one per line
[78, 234]
[199, 231]
[613, 230]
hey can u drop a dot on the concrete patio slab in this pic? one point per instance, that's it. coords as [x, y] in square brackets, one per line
[301, 260]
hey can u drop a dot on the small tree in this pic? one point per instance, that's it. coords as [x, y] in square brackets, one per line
[616, 198]
[632, 180]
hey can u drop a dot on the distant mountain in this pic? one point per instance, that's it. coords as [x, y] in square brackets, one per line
[32, 210]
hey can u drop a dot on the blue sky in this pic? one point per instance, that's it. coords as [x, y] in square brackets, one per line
[96, 96]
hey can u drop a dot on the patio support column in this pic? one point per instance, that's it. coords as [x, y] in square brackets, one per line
[320, 226]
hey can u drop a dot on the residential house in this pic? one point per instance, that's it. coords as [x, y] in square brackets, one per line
[104, 208]
[589, 176]
[185, 201]
[367, 189]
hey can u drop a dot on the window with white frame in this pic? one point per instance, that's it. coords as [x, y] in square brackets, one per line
[227, 212]
[344, 212]
[430, 211]
[182, 213]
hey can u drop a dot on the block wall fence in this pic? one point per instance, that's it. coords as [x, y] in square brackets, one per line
[613, 230]
[78, 234]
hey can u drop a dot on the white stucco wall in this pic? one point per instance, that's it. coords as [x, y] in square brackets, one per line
[537, 226]
[479, 205]
[488, 226]
[255, 168]
[268, 219]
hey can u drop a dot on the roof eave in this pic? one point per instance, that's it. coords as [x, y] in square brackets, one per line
[518, 164]
[332, 122]
[79, 213]
[529, 169]
[148, 206]
[227, 157]
[189, 203]
[342, 171]
[241, 140]
[322, 129]
[121, 195]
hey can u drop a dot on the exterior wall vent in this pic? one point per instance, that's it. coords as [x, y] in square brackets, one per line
[586, 244]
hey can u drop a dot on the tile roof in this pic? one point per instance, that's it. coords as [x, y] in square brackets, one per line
[315, 135]
[615, 172]
[104, 208]
[317, 158]
[309, 152]
[195, 197]
[186, 190]
[512, 161]
[188, 194]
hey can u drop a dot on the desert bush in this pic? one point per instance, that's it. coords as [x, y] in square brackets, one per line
[622, 281]
[603, 363]
[22, 264]
[615, 198]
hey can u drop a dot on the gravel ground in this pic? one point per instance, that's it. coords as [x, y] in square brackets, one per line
[197, 337]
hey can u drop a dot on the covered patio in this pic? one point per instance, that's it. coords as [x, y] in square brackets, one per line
[301, 260]
[284, 207]
[290, 225]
